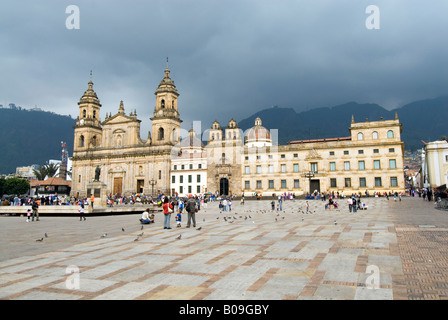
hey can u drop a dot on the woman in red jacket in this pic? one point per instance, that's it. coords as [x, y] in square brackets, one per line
[167, 210]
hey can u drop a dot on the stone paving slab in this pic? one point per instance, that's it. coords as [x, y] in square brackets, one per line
[261, 255]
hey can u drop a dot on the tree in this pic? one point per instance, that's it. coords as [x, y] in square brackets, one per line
[47, 170]
[16, 185]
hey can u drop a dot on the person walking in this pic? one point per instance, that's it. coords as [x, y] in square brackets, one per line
[92, 200]
[190, 207]
[167, 210]
[81, 212]
[35, 208]
[307, 206]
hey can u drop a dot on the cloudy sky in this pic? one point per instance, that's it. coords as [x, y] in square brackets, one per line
[228, 58]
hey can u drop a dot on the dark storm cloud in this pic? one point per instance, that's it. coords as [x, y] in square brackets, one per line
[227, 58]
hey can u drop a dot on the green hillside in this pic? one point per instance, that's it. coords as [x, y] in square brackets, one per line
[32, 137]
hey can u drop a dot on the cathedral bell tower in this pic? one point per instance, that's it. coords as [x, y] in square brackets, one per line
[88, 130]
[166, 121]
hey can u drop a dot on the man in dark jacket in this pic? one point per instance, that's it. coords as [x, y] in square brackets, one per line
[190, 207]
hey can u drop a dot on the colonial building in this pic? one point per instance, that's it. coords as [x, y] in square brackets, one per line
[128, 163]
[189, 167]
[369, 159]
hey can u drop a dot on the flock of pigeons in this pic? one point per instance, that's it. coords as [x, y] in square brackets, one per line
[226, 218]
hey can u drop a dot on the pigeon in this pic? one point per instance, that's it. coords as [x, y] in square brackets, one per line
[335, 223]
[136, 239]
[199, 228]
[303, 218]
[122, 229]
[104, 235]
[141, 228]
[203, 220]
[275, 219]
[179, 237]
[140, 235]
[46, 235]
[231, 221]
[40, 240]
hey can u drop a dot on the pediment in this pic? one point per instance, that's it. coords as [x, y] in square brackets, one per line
[119, 118]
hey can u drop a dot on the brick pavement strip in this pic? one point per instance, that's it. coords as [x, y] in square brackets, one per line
[271, 255]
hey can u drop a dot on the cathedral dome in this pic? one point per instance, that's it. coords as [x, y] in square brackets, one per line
[258, 136]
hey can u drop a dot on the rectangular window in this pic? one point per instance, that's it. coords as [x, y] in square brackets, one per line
[282, 156]
[296, 183]
[160, 174]
[376, 164]
[271, 168]
[175, 167]
[361, 165]
[296, 155]
[246, 158]
[198, 189]
[189, 189]
[346, 165]
[332, 166]
[362, 182]
[331, 153]
[283, 184]
[79, 178]
[182, 167]
[246, 184]
[271, 184]
[313, 166]
[391, 149]
[181, 189]
[296, 167]
[376, 150]
[258, 169]
[392, 164]
[259, 184]
[360, 151]
[191, 166]
[181, 179]
[246, 169]
[345, 152]
[283, 167]
[333, 183]
[393, 182]
[200, 166]
[173, 179]
[198, 178]
[348, 182]
[190, 179]
[378, 182]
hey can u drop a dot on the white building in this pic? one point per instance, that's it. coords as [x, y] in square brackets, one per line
[189, 167]
[435, 166]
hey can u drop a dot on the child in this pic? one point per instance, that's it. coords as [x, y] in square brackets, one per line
[151, 217]
[307, 206]
[28, 215]
[178, 219]
[81, 212]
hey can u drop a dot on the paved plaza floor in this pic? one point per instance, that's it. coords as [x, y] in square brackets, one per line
[392, 251]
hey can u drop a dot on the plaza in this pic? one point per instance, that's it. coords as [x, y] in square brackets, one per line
[392, 251]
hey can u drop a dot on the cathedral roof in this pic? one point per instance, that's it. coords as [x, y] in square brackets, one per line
[258, 133]
[90, 96]
[167, 84]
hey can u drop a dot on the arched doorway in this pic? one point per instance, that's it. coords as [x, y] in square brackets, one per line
[224, 186]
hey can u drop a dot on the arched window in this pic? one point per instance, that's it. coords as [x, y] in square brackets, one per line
[360, 136]
[84, 113]
[375, 135]
[162, 103]
[94, 141]
[94, 114]
[174, 135]
[161, 134]
[390, 134]
[213, 136]
[81, 141]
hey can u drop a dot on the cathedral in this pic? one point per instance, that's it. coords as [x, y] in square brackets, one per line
[127, 163]
[232, 162]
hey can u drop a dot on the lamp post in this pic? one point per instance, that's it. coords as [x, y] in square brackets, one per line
[309, 175]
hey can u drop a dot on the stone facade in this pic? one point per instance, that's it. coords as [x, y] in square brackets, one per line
[232, 162]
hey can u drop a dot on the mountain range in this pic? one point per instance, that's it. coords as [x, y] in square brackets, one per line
[34, 137]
